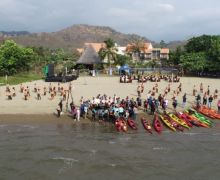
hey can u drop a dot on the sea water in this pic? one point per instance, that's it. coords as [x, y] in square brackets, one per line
[92, 151]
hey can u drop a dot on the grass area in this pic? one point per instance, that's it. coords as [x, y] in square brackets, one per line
[20, 78]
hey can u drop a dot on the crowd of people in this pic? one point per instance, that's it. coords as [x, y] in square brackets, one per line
[104, 107]
[37, 92]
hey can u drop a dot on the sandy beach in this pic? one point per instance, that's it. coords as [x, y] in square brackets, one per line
[89, 87]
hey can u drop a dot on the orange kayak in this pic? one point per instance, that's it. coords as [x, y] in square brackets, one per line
[209, 112]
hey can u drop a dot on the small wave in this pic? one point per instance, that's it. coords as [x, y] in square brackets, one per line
[68, 163]
[3, 125]
[190, 133]
[66, 160]
[9, 132]
[216, 134]
[93, 151]
[111, 142]
[125, 139]
[159, 148]
[29, 126]
[113, 165]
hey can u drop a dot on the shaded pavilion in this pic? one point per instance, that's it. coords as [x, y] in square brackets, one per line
[89, 58]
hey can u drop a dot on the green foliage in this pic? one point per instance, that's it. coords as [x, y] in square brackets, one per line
[163, 44]
[122, 60]
[14, 58]
[20, 78]
[58, 57]
[193, 61]
[174, 58]
[109, 51]
[199, 44]
[201, 54]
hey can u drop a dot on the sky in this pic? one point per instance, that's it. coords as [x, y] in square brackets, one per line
[154, 19]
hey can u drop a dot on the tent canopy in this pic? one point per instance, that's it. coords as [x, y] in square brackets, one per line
[124, 69]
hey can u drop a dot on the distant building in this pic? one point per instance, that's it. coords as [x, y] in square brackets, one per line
[142, 52]
[98, 46]
[146, 52]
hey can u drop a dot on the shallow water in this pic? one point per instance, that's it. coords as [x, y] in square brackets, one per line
[92, 151]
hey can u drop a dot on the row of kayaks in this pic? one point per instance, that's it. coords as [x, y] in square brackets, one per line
[211, 113]
[122, 125]
[175, 122]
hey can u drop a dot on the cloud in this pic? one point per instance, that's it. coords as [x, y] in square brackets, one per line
[158, 19]
[167, 7]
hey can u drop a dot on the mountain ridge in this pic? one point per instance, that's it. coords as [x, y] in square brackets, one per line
[73, 37]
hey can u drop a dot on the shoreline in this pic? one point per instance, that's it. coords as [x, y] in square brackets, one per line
[52, 118]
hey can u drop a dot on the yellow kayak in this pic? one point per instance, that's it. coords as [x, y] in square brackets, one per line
[167, 123]
[178, 120]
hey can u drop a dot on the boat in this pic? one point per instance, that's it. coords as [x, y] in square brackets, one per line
[121, 125]
[132, 124]
[195, 120]
[146, 125]
[209, 112]
[157, 125]
[201, 117]
[167, 123]
[118, 125]
[178, 120]
[182, 116]
[176, 125]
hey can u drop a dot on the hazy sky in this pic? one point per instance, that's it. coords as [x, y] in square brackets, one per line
[154, 19]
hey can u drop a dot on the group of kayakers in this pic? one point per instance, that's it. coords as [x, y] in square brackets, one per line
[207, 98]
[107, 108]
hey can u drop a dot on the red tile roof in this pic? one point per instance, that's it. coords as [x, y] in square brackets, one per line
[164, 51]
[96, 46]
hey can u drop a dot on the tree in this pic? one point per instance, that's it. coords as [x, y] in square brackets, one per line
[122, 60]
[108, 51]
[193, 62]
[14, 58]
[162, 44]
[137, 46]
[174, 58]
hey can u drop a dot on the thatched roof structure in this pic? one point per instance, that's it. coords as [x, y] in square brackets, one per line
[89, 57]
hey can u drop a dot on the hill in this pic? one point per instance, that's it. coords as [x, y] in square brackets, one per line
[74, 37]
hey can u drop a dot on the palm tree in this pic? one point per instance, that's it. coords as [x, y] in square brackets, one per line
[109, 51]
[136, 47]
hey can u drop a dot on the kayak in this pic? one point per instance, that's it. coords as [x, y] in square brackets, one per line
[132, 124]
[118, 125]
[200, 117]
[209, 112]
[177, 120]
[192, 120]
[167, 123]
[195, 120]
[121, 125]
[184, 117]
[146, 125]
[157, 125]
[176, 125]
